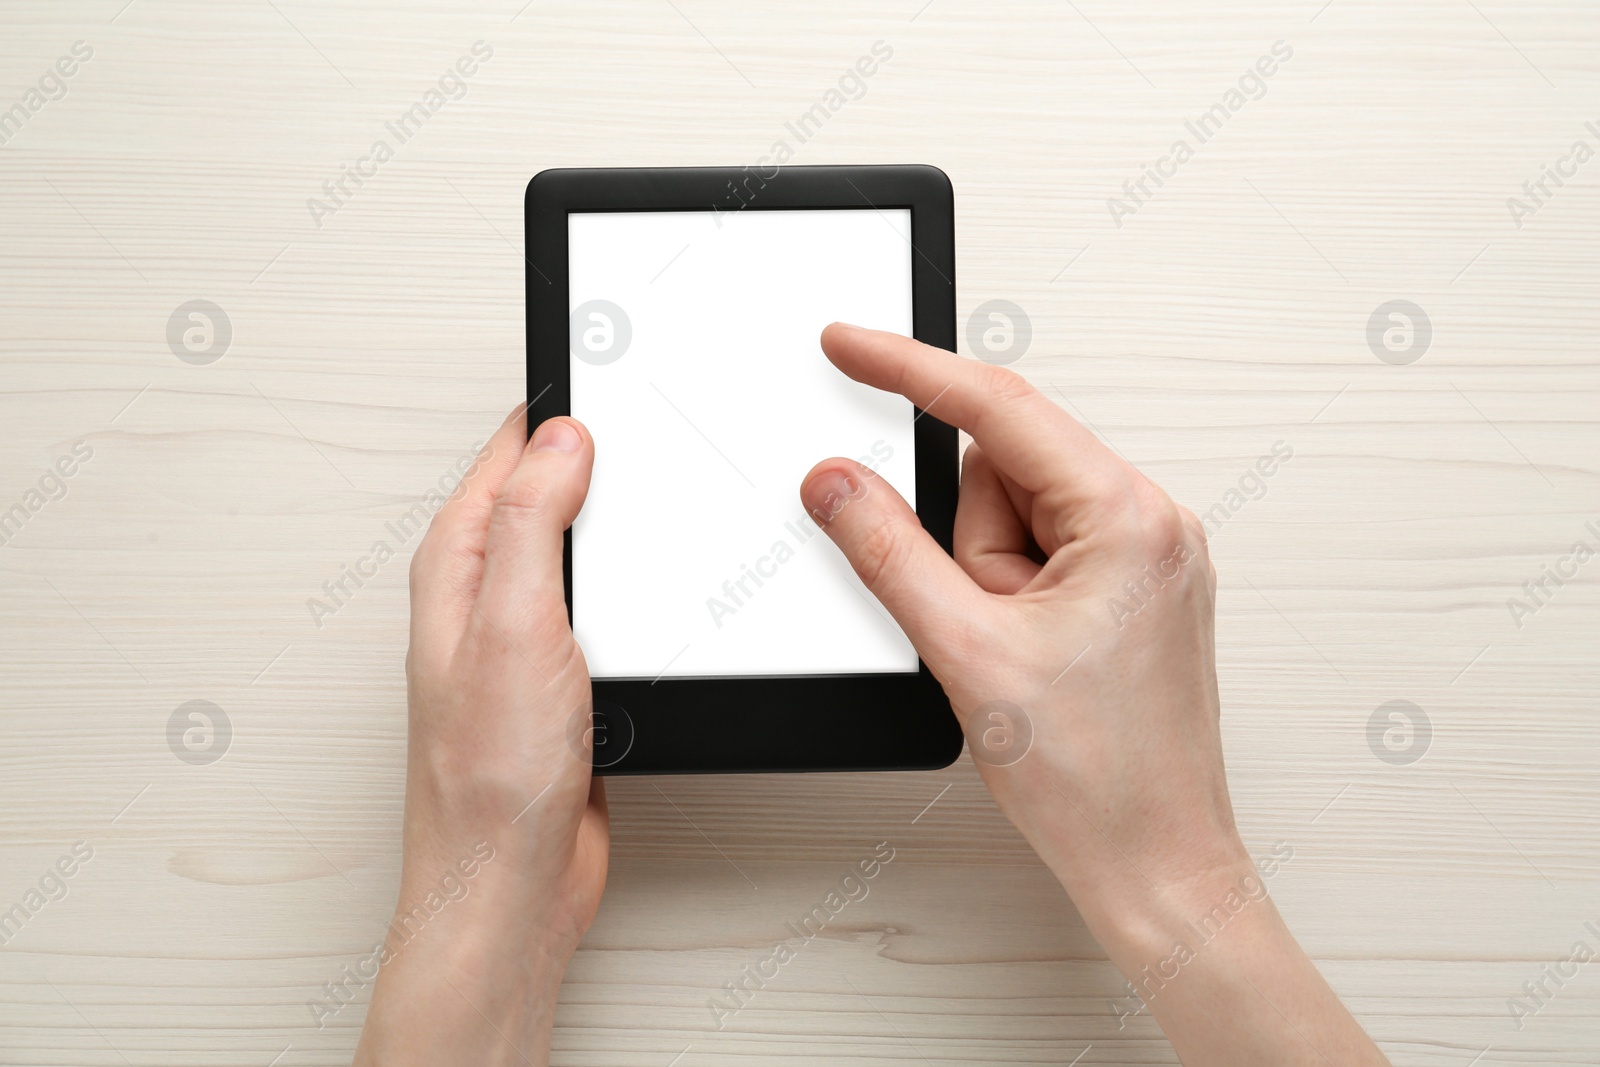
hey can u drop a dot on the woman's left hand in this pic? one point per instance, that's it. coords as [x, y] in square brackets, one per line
[506, 833]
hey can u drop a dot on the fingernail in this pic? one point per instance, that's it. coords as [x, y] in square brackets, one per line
[556, 435]
[828, 493]
[847, 326]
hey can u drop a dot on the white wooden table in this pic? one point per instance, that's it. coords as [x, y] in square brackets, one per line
[371, 344]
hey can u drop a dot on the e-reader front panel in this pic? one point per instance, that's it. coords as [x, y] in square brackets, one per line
[722, 630]
[695, 361]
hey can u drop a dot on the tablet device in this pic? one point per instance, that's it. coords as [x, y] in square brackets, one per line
[676, 313]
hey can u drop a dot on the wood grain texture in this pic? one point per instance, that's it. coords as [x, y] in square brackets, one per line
[1227, 313]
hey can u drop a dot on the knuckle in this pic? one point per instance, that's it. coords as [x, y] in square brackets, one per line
[1112, 490]
[1116, 488]
[425, 555]
[430, 662]
[1165, 528]
[520, 501]
[1007, 386]
[973, 461]
[1158, 523]
[1194, 529]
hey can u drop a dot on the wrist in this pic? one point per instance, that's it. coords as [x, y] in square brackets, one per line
[462, 989]
[468, 971]
[495, 930]
[1141, 917]
[1137, 900]
[1213, 953]
[1157, 922]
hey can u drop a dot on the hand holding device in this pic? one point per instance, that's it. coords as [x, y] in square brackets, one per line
[1073, 633]
[506, 836]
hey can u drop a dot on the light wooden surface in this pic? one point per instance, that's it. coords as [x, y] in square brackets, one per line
[1227, 314]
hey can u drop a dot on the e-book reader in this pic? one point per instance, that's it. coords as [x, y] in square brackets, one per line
[677, 313]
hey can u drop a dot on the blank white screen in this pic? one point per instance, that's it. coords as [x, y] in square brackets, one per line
[705, 425]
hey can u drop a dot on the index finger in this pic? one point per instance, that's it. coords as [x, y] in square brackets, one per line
[1026, 435]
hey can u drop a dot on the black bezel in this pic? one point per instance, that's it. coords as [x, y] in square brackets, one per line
[791, 723]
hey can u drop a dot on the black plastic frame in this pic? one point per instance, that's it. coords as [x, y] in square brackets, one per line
[748, 724]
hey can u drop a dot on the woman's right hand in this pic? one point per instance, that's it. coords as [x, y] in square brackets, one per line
[1073, 633]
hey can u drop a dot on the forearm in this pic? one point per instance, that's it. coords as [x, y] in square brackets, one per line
[1215, 964]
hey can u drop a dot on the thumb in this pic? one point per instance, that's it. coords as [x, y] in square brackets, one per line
[522, 568]
[899, 561]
